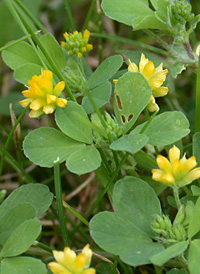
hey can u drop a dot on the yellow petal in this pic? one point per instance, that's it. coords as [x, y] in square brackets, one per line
[59, 256]
[75, 32]
[37, 104]
[35, 113]
[47, 74]
[115, 81]
[51, 99]
[80, 262]
[157, 174]
[48, 109]
[132, 67]
[167, 178]
[177, 168]
[190, 164]
[143, 62]
[28, 93]
[70, 257]
[61, 102]
[25, 102]
[57, 268]
[79, 54]
[86, 35]
[174, 154]
[190, 177]
[152, 106]
[66, 35]
[88, 255]
[89, 47]
[148, 70]
[163, 163]
[160, 92]
[59, 88]
[89, 271]
[157, 79]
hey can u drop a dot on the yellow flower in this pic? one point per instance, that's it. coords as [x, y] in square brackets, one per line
[155, 77]
[77, 43]
[176, 171]
[42, 96]
[70, 263]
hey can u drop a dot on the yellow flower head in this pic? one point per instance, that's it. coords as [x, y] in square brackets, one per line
[77, 43]
[155, 77]
[42, 96]
[67, 262]
[176, 171]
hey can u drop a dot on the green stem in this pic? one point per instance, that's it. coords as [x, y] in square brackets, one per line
[14, 42]
[43, 246]
[107, 186]
[76, 213]
[21, 24]
[61, 213]
[176, 196]
[69, 15]
[165, 45]
[16, 165]
[89, 15]
[132, 42]
[31, 16]
[10, 136]
[197, 111]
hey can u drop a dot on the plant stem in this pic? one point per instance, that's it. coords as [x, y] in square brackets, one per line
[61, 213]
[76, 213]
[31, 16]
[43, 246]
[132, 42]
[12, 8]
[89, 15]
[176, 196]
[10, 136]
[107, 186]
[69, 14]
[197, 111]
[16, 165]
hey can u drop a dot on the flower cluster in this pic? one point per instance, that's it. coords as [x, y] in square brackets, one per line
[42, 96]
[176, 171]
[155, 77]
[70, 263]
[77, 43]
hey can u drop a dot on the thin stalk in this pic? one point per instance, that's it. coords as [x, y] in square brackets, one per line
[176, 196]
[100, 26]
[31, 16]
[10, 136]
[197, 111]
[163, 43]
[107, 186]
[89, 15]
[76, 213]
[132, 42]
[105, 161]
[69, 14]
[16, 165]
[43, 246]
[61, 213]
[24, 29]
[15, 42]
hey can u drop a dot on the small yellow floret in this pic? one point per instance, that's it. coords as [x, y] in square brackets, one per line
[42, 96]
[176, 171]
[77, 43]
[67, 262]
[155, 77]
